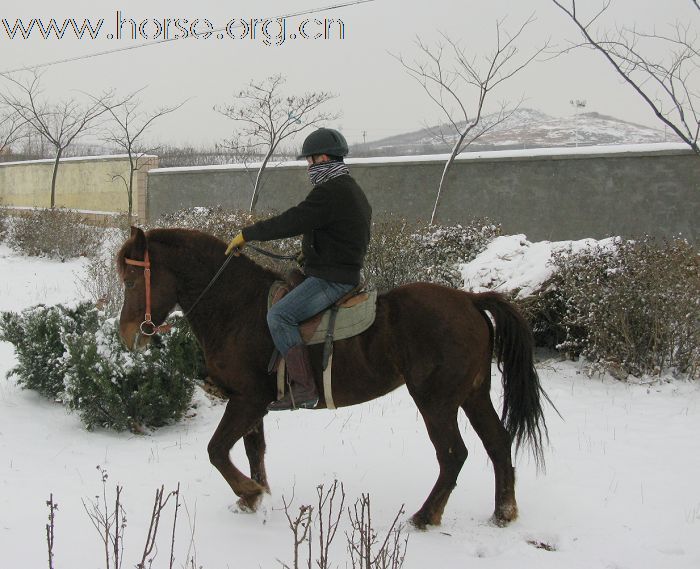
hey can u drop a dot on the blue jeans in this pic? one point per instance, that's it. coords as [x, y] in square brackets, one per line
[306, 300]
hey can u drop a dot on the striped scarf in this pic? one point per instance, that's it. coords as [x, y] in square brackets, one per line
[324, 171]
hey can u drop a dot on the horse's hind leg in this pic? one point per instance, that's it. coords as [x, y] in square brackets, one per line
[441, 422]
[254, 442]
[497, 443]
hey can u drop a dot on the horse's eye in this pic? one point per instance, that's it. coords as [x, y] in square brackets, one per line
[129, 284]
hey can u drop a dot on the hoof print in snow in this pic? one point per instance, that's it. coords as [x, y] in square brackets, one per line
[541, 545]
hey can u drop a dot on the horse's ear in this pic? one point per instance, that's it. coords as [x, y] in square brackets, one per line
[139, 238]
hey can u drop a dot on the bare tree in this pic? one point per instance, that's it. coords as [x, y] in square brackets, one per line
[460, 85]
[129, 125]
[665, 83]
[267, 117]
[58, 123]
[11, 127]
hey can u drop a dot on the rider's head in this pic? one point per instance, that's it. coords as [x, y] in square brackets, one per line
[324, 145]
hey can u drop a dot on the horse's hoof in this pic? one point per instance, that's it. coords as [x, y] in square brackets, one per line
[421, 522]
[248, 504]
[504, 515]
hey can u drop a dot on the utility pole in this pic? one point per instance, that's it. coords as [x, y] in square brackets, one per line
[578, 104]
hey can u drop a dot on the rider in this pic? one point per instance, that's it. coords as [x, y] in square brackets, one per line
[335, 220]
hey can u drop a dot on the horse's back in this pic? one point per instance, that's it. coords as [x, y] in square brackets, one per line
[437, 326]
[433, 308]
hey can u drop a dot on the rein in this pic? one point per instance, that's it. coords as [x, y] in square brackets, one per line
[272, 255]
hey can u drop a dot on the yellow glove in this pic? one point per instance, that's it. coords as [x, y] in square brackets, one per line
[236, 243]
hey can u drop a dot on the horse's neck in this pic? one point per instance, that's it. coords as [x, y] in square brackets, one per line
[236, 300]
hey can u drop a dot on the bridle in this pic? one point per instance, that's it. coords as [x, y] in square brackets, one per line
[151, 328]
[147, 321]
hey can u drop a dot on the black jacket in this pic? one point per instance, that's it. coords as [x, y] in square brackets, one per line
[335, 220]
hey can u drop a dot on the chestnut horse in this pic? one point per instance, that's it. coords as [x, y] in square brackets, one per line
[438, 341]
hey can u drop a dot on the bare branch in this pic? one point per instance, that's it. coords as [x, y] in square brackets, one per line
[661, 83]
[58, 123]
[129, 125]
[50, 527]
[300, 526]
[460, 87]
[265, 118]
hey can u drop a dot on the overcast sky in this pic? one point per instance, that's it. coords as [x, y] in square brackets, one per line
[375, 95]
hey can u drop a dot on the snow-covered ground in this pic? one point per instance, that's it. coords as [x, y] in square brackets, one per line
[620, 491]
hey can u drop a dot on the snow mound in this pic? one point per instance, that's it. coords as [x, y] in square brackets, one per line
[513, 264]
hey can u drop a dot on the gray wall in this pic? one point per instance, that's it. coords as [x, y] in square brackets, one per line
[571, 195]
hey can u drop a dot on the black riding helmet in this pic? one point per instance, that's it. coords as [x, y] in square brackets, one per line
[324, 141]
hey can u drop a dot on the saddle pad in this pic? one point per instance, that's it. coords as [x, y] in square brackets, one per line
[349, 322]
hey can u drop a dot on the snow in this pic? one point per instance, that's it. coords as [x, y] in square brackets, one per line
[564, 152]
[511, 263]
[587, 151]
[37, 208]
[76, 159]
[620, 488]
[36, 281]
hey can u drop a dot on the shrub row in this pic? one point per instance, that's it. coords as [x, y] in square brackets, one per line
[3, 223]
[75, 356]
[633, 308]
[399, 252]
[56, 233]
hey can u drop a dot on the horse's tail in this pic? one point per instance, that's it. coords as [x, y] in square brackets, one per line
[522, 413]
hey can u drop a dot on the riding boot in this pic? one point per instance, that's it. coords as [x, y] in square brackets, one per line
[302, 393]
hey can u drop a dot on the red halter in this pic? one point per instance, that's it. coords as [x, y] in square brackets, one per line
[146, 264]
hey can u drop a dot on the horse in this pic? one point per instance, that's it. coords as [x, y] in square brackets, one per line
[436, 340]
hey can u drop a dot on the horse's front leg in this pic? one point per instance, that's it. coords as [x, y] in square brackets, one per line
[239, 418]
[254, 442]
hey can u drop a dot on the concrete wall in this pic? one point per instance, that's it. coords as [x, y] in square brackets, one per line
[82, 184]
[558, 194]
[550, 194]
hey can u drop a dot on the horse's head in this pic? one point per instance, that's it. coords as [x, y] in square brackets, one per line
[148, 298]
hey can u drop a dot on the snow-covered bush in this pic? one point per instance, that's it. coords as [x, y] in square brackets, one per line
[56, 233]
[113, 388]
[4, 223]
[633, 308]
[401, 252]
[76, 356]
[37, 334]
[100, 282]
[218, 221]
[443, 248]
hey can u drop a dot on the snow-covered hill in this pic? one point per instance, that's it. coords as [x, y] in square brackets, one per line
[526, 128]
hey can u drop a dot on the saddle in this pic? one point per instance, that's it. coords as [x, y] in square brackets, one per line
[349, 316]
[314, 330]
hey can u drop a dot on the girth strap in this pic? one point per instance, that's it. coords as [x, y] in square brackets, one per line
[328, 344]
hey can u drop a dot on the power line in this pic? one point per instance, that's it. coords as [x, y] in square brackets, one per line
[165, 40]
